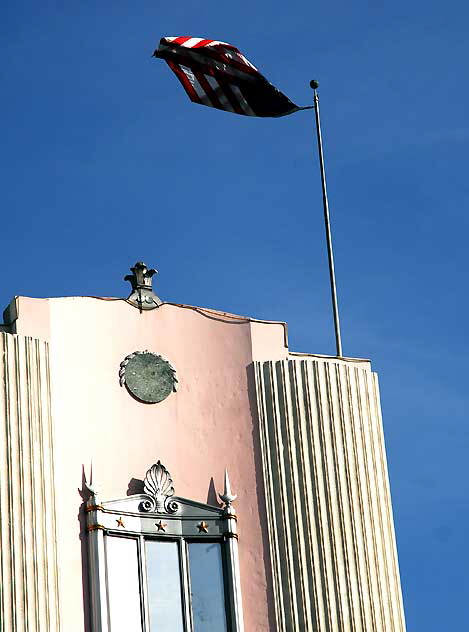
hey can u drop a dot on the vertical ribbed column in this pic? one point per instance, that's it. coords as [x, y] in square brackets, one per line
[28, 560]
[331, 530]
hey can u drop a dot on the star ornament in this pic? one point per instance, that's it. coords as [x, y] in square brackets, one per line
[202, 527]
[161, 526]
[120, 522]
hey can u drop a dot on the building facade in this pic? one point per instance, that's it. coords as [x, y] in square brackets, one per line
[173, 468]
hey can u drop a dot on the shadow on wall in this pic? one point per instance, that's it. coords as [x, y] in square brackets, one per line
[212, 495]
[135, 487]
[85, 494]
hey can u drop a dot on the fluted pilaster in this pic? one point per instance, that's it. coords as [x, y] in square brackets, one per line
[332, 543]
[28, 560]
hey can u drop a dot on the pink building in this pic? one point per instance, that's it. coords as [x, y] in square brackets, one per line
[119, 419]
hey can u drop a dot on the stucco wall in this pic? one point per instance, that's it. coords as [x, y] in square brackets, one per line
[209, 424]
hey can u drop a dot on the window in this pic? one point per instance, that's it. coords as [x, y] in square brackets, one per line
[163, 564]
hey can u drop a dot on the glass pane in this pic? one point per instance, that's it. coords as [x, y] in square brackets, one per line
[123, 585]
[164, 586]
[208, 598]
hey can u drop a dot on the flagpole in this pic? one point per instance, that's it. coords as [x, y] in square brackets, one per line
[335, 308]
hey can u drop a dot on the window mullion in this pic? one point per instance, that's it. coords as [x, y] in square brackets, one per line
[186, 586]
[144, 584]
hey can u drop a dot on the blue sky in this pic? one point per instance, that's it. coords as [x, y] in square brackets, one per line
[105, 161]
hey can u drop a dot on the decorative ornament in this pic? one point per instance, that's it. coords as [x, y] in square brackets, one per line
[148, 376]
[202, 527]
[158, 486]
[141, 280]
[228, 497]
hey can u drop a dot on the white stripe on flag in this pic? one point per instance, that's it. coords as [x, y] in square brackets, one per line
[191, 42]
[196, 85]
[216, 42]
[242, 101]
[219, 92]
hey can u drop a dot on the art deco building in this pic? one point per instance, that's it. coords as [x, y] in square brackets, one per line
[119, 419]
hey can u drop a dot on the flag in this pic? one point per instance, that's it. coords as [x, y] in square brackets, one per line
[217, 74]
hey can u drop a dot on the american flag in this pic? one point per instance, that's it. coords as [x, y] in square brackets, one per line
[217, 74]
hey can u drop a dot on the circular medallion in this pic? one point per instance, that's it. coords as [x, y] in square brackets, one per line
[148, 376]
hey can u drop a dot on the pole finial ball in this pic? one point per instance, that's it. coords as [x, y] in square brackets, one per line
[314, 84]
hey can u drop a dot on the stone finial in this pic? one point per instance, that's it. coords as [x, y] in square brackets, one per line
[228, 497]
[142, 295]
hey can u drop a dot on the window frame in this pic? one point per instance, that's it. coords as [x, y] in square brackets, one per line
[146, 517]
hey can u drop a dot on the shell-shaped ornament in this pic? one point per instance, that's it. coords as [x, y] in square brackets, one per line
[158, 484]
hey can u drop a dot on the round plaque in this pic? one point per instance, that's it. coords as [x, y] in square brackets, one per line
[148, 376]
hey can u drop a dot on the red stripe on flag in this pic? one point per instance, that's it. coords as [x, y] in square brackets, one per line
[203, 42]
[181, 75]
[180, 40]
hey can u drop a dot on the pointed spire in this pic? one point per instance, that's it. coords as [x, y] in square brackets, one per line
[90, 487]
[227, 497]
